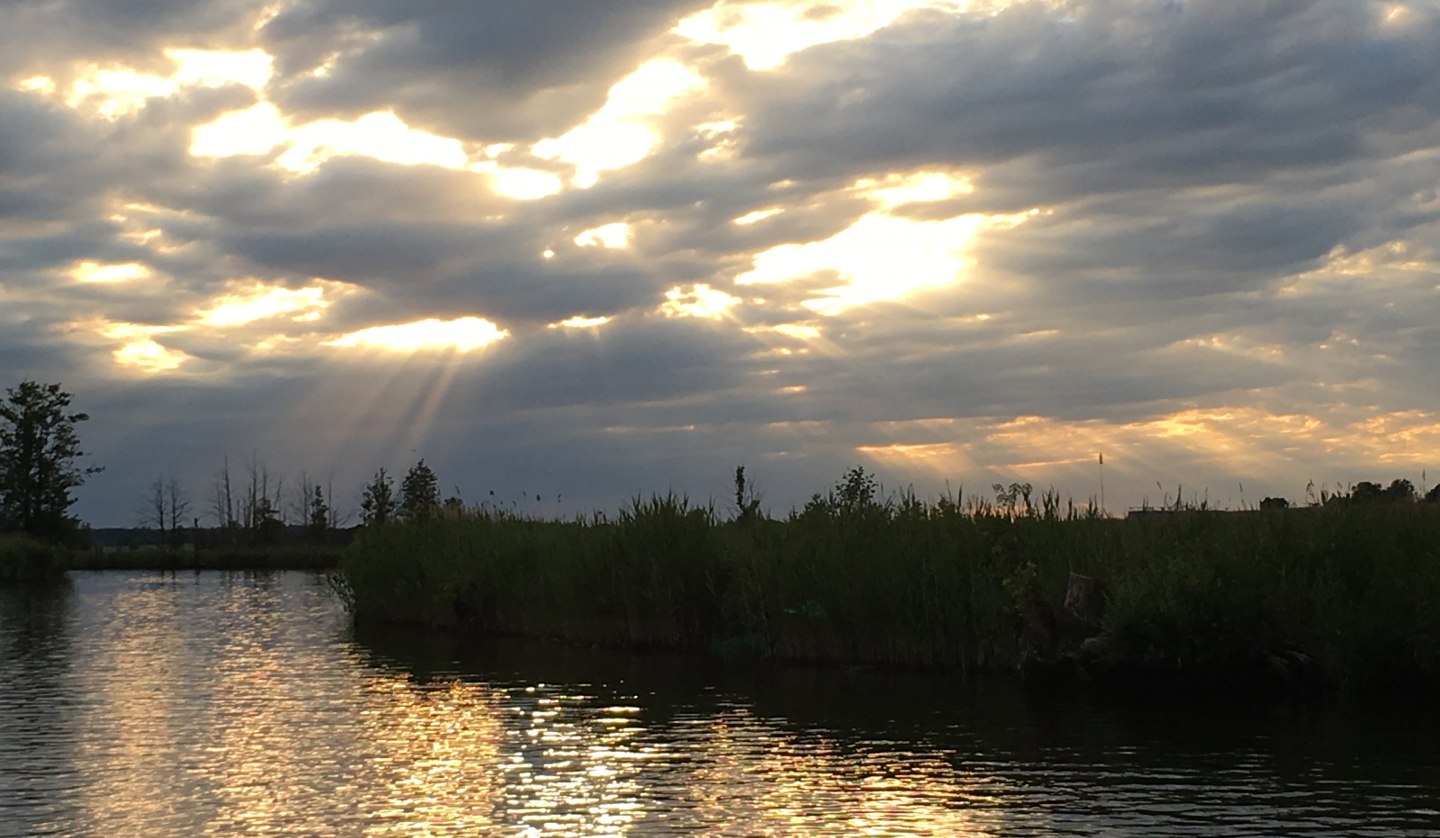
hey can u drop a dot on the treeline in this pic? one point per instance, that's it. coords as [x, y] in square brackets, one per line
[1399, 491]
[257, 507]
[253, 508]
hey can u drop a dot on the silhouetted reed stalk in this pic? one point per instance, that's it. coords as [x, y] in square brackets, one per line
[902, 581]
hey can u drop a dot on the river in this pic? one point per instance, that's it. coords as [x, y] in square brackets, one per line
[146, 704]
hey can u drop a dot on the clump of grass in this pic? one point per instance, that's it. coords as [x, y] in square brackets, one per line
[26, 560]
[858, 576]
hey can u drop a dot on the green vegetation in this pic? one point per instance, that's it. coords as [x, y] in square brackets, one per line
[38, 450]
[24, 558]
[293, 556]
[1347, 589]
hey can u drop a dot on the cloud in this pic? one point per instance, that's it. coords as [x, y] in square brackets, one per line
[493, 72]
[977, 244]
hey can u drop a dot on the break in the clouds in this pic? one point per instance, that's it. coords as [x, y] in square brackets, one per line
[583, 250]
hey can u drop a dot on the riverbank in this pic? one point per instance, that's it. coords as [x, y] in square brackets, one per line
[285, 557]
[25, 560]
[1329, 598]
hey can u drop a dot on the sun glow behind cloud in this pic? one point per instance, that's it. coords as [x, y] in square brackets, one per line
[615, 236]
[882, 256]
[90, 271]
[381, 135]
[699, 300]
[138, 350]
[580, 321]
[464, 334]
[626, 130]
[879, 258]
[113, 92]
[257, 301]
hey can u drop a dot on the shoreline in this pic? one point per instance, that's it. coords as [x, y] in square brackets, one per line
[1287, 601]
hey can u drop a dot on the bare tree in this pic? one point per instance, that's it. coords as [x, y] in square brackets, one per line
[297, 508]
[178, 502]
[153, 508]
[222, 506]
[335, 518]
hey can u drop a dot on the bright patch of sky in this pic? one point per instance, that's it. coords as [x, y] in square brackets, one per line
[614, 236]
[138, 351]
[380, 135]
[261, 302]
[113, 92]
[878, 258]
[914, 187]
[463, 334]
[580, 321]
[104, 274]
[626, 130]
[757, 216]
[698, 300]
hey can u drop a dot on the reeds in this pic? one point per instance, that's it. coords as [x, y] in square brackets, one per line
[26, 560]
[972, 585]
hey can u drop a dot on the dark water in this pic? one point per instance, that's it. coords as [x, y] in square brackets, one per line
[136, 704]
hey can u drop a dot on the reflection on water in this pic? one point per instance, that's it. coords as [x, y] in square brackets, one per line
[241, 704]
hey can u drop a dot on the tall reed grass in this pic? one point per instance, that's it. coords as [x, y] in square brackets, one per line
[903, 581]
[24, 559]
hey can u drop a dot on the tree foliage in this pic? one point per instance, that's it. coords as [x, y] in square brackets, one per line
[38, 449]
[419, 493]
[377, 504]
[317, 524]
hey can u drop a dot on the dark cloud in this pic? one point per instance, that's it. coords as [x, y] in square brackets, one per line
[494, 71]
[44, 38]
[1133, 94]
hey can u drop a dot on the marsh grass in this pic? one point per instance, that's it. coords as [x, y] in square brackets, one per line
[28, 560]
[857, 578]
[276, 557]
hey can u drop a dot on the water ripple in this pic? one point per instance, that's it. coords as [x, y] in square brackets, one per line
[240, 704]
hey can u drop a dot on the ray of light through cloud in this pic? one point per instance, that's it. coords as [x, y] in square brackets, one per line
[953, 240]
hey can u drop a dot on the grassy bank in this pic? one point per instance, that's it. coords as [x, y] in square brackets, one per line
[1349, 591]
[27, 560]
[283, 557]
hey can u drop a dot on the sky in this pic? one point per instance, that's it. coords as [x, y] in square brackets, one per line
[589, 251]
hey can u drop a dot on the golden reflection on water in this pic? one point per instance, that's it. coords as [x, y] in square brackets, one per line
[216, 706]
[236, 705]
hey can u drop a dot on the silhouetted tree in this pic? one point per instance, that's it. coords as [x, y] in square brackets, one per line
[318, 524]
[222, 505]
[1433, 496]
[266, 525]
[747, 502]
[1401, 491]
[154, 511]
[1367, 492]
[377, 505]
[855, 493]
[165, 508]
[38, 449]
[419, 493]
[178, 504]
[1274, 503]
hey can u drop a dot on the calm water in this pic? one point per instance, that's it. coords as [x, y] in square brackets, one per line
[242, 704]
